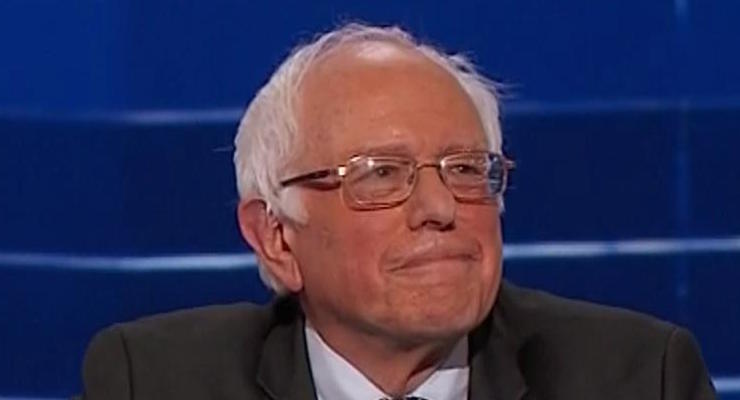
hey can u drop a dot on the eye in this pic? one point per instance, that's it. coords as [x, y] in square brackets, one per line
[383, 171]
[467, 169]
[378, 172]
[463, 169]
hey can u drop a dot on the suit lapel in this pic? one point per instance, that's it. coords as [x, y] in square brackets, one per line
[283, 371]
[494, 368]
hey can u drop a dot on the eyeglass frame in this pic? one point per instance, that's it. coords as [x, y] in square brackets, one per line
[339, 172]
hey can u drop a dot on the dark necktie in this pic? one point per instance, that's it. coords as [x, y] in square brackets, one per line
[404, 398]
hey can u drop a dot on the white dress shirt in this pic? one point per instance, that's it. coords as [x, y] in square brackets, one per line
[336, 379]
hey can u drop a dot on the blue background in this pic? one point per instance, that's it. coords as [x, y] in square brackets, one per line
[116, 123]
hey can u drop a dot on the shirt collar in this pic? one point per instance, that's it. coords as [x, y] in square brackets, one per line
[335, 378]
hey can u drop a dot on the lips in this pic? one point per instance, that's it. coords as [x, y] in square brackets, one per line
[432, 258]
[432, 251]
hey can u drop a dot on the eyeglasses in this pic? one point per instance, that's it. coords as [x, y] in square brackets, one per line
[374, 182]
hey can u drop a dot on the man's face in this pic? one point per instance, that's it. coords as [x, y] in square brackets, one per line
[428, 268]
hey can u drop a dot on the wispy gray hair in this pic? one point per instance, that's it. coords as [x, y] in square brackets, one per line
[267, 137]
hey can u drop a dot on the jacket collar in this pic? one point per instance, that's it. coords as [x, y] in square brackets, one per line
[494, 364]
[284, 372]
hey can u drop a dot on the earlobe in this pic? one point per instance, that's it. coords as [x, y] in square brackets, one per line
[264, 233]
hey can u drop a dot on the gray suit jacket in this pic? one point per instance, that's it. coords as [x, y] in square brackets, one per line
[532, 346]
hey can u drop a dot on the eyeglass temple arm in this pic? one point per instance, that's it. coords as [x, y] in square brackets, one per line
[307, 177]
[509, 164]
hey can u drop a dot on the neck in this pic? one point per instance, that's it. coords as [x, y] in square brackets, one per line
[395, 367]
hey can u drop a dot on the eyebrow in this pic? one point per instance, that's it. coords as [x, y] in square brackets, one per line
[383, 149]
[459, 147]
[404, 149]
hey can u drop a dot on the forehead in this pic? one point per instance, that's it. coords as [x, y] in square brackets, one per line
[370, 96]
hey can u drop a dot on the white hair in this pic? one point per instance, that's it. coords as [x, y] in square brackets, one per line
[267, 136]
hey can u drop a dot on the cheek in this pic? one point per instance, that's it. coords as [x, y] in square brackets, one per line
[485, 225]
[484, 222]
[343, 252]
[363, 240]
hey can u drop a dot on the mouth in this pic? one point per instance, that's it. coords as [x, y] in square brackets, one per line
[435, 255]
[435, 262]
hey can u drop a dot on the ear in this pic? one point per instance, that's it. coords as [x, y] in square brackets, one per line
[264, 232]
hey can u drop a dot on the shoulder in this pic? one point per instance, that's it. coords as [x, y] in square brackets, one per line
[244, 321]
[532, 311]
[571, 346]
[178, 354]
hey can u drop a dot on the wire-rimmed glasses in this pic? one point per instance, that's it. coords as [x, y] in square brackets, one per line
[373, 182]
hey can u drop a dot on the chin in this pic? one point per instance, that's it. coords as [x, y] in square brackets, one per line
[434, 323]
[437, 311]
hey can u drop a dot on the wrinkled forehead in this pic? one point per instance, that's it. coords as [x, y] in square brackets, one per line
[390, 89]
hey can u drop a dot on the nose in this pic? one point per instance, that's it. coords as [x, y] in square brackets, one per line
[431, 203]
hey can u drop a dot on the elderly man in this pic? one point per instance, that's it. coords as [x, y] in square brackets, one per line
[371, 180]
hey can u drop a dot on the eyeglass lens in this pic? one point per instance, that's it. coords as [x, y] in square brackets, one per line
[385, 180]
